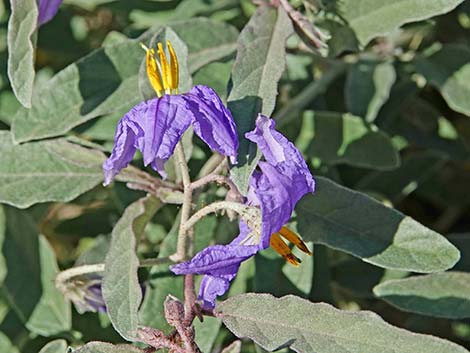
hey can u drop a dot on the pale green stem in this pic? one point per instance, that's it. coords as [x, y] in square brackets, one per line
[184, 232]
[214, 207]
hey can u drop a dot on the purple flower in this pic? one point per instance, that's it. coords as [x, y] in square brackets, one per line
[47, 10]
[154, 127]
[280, 183]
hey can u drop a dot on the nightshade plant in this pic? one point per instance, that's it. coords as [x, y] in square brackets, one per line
[241, 183]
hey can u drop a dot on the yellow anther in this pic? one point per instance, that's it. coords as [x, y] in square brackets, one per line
[153, 72]
[282, 249]
[166, 71]
[174, 66]
[295, 239]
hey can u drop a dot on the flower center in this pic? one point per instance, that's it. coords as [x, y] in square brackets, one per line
[283, 249]
[162, 74]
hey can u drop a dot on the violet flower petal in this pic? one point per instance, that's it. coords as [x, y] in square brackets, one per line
[220, 264]
[213, 122]
[212, 287]
[217, 260]
[127, 133]
[283, 180]
[47, 10]
[154, 127]
[163, 120]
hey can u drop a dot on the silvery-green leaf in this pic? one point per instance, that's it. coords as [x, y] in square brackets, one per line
[21, 46]
[373, 18]
[444, 294]
[6, 345]
[352, 222]
[258, 67]
[52, 170]
[121, 288]
[56, 346]
[3, 225]
[308, 327]
[103, 347]
[106, 80]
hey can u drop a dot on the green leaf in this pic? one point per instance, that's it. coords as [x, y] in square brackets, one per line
[206, 332]
[234, 347]
[102, 347]
[29, 286]
[357, 224]
[161, 283]
[106, 80]
[258, 67]
[439, 294]
[53, 170]
[368, 87]
[342, 138]
[3, 266]
[21, 46]
[373, 18]
[52, 314]
[318, 327]
[121, 288]
[448, 69]
[398, 183]
[6, 345]
[56, 346]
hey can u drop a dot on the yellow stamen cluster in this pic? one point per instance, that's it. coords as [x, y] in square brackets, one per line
[283, 249]
[162, 74]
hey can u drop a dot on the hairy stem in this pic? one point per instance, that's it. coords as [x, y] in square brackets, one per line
[184, 232]
[214, 207]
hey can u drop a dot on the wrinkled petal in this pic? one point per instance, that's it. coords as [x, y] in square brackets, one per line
[219, 264]
[212, 287]
[213, 122]
[47, 10]
[279, 151]
[217, 260]
[125, 139]
[154, 127]
[164, 120]
[283, 180]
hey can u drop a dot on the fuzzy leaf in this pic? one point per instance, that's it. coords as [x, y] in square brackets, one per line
[106, 81]
[350, 221]
[56, 346]
[52, 170]
[260, 62]
[438, 294]
[121, 288]
[373, 18]
[21, 45]
[308, 327]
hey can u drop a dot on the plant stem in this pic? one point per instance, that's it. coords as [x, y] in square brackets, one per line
[212, 164]
[184, 232]
[220, 179]
[214, 207]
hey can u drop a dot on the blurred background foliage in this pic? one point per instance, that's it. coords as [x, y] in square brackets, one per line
[390, 119]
